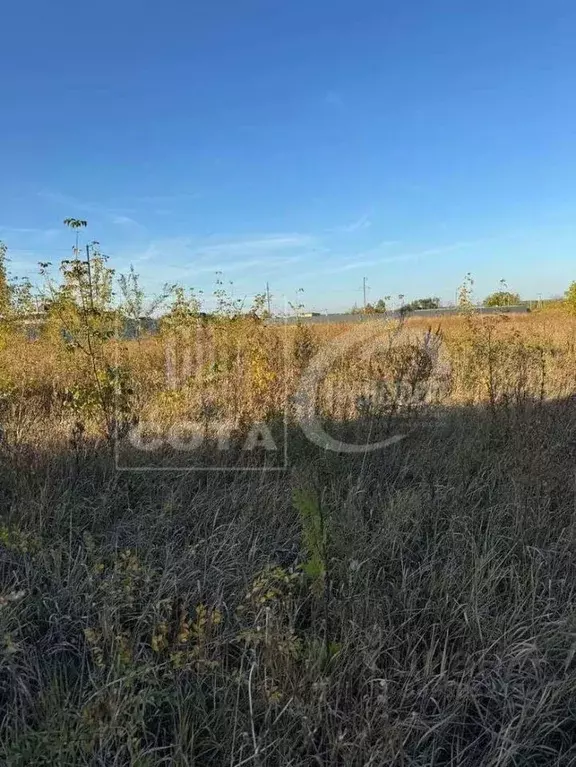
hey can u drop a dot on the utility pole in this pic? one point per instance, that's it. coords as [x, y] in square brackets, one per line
[364, 291]
[268, 299]
[91, 295]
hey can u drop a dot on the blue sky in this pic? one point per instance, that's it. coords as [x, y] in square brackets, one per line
[308, 143]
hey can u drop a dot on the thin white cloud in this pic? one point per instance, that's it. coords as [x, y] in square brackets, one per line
[81, 206]
[363, 222]
[16, 230]
[163, 212]
[124, 220]
[67, 200]
[166, 199]
[438, 251]
[194, 255]
[266, 243]
[236, 266]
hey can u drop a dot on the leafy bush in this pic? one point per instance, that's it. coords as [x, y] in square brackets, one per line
[502, 298]
[570, 297]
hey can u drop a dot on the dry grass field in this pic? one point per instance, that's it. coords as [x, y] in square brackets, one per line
[411, 606]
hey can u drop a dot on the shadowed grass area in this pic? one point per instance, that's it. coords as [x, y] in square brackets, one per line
[171, 619]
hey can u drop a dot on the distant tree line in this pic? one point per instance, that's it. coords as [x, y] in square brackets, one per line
[381, 306]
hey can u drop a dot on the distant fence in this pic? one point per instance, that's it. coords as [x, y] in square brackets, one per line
[318, 319]
[150, 325]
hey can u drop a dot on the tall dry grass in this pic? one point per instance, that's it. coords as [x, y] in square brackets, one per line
[412, 606]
